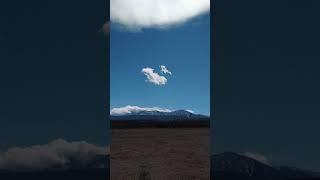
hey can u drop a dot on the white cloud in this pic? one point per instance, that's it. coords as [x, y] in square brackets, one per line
[165, 70]
[190, 111]
[154, 77]
[139, 14]
[54, 154]
[134, 109]
[256, 156]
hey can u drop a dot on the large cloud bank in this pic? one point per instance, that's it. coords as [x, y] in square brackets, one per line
[139, 14]
[56, 154]
[134, 109]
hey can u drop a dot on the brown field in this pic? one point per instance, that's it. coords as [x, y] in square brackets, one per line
[160, 154]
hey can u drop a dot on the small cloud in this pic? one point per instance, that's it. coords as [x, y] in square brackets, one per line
[154, 77]
[134, 109]
[256, 156]
[160, 14]
[57, 153]
[165, 70]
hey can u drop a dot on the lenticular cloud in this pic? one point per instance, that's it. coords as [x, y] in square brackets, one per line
[139, 14]
[132, 109]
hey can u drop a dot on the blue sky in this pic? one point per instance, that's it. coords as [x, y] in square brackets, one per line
[184, 49]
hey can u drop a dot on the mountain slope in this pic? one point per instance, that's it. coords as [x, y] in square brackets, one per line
[235, 165]
[97, 168]
[230, 166]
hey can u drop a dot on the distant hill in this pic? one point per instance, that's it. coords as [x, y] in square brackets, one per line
[84, 174]
[97, 169]
[231, 166]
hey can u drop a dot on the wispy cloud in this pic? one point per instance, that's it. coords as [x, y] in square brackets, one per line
[139, 14]
[57, 153]
[190, 111]
[165, 70]
[134, 109]
[154, 77]
[256, 156]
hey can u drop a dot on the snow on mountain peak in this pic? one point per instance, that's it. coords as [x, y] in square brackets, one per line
[136, 110]
[127, 110]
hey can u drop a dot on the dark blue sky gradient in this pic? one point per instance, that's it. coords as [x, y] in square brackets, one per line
[267, 90]
[52, 71]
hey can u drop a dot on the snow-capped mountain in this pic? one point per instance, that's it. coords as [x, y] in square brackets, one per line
[159, 115]
[182, 113]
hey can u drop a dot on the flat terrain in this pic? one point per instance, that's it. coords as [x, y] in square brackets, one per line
[161, 153]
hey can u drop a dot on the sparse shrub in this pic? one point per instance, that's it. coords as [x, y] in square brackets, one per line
[144, 172]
